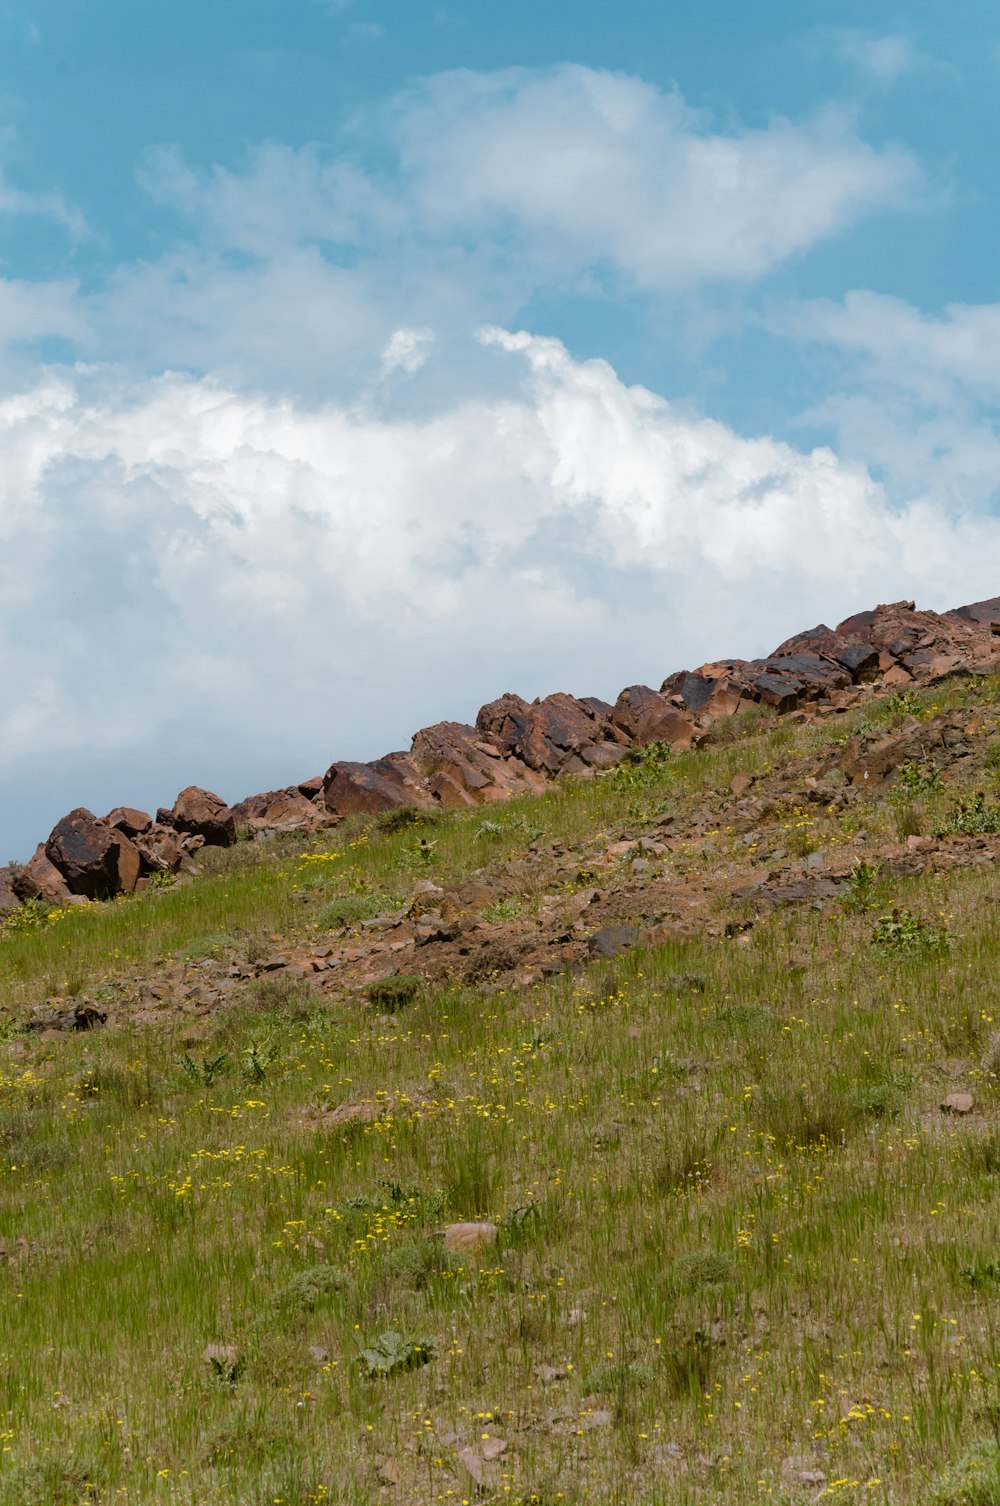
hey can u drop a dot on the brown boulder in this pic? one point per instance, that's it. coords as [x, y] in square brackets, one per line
[278, 810]
[161, 849]
[125, 818]
[460, 768]
[351, 789]
[646, 716]
[555, 736]
[96, 860]
[202, 814]
[40, 879]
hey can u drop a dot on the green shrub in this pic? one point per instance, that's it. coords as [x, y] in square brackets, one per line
[902, 931]
[348, 910]
[392, 1352]
[394, 993]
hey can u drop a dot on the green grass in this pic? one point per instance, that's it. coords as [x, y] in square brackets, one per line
[735, 1228]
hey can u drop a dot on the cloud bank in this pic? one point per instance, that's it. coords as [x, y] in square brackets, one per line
[215, 587]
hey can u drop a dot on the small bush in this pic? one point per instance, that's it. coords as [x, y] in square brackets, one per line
[416, 1266]
[902, 931]
[972, 816]
[348, 910]
[700, 1268]
[304, 1291]
[394, 993]
[864, 886]
[392, 1352]
[644, 767]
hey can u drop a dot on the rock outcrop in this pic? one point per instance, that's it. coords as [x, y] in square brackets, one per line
[516, 746]
[96, 860]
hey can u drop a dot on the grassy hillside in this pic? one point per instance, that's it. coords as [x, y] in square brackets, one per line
[743, 1253]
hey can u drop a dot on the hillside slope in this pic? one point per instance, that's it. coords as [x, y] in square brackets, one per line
[632, 1141]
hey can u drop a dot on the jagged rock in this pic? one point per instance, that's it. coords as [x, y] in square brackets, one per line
[647, 716]
[161, 849]
[278, 810]
[460, 768]
[125, 818]
[350, 789]
[202, 814]
[41, 879]
[555, 736]
[96, 860]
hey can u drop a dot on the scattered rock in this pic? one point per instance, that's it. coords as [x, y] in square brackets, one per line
[466, 1239]
[610, 940]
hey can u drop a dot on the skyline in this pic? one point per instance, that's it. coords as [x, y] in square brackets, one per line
[361, 362]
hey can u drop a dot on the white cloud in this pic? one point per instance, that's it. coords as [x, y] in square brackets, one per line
[407, 350]
[47, 205]
[200, 585]
[917, 394]
[557, 173]
[585, 167]
[886, 57]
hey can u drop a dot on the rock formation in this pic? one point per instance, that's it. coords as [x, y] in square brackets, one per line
[517, 746]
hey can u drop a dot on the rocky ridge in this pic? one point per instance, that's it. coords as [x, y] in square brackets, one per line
[517, 747]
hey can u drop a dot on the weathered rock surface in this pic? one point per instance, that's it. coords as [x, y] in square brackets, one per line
[126, 819]
[459, 767]
[96, 860]
[351, 789]
[278, 810]
[201, 814]
[41, 879]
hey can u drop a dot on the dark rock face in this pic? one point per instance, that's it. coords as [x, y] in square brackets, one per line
[350, 789]
[201, 814]
[96, 860]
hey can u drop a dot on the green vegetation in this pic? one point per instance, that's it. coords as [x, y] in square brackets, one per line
[743, 1256]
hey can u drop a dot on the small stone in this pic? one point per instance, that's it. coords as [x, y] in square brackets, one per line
[388, 1472]
[319, 1354]
[550, 1375]
[465, 1239]
[740, 783]
[476, 1467]
[492, 1448]
[957, 1103]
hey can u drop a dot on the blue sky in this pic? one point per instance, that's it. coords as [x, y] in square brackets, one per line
[360, 361]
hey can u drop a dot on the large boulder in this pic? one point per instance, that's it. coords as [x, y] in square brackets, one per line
[40, 879]
[201, 814]
[351, 789]
[96, 860]
[646, 716]
[278, 810]
[459, 767]
[558, 735]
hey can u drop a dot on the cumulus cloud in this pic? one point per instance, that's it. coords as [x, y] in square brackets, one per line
[916, 394]
[196, 584]
[585, 167]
